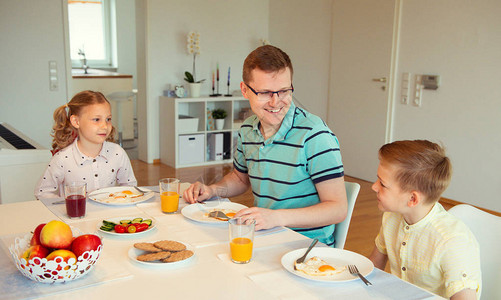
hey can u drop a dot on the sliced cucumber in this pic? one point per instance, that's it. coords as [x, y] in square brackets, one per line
[106, 228]
[147, 221]
[108, 223]
[125, 222]
[137, 220]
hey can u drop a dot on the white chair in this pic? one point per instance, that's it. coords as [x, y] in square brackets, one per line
[341, 230]
[119, 98]
[487, 229]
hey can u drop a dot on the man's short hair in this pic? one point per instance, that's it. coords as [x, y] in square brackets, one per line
[266, 58]
[421, 165]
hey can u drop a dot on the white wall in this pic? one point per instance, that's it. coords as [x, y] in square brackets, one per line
[229, 31]
[126, 38]
[31, 35]
[460, 40]
[141, 80]
[303, 30]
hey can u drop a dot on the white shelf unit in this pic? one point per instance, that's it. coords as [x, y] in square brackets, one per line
[172, 127]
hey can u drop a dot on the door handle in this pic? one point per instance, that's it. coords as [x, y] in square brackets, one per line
[382, 79]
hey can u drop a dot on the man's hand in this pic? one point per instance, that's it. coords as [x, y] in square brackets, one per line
[197, 192]
[265, 218]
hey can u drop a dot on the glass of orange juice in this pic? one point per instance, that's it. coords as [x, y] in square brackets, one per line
[241, 239]
[169, 194]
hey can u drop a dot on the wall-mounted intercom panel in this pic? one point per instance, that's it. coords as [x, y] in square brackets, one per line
[430, 82]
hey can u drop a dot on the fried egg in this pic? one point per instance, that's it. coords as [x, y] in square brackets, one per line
[124, 194]
[316, 266]
[119, 197]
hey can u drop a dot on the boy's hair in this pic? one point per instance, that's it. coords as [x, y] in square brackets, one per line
[421, 165]
[63, 132]
[266, 58]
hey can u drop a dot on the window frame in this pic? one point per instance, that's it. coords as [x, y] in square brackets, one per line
[107, 62]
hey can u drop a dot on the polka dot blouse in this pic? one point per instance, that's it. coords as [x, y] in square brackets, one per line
[110, 168]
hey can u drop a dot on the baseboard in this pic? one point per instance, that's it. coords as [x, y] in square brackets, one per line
[454, 203]
[156, 161]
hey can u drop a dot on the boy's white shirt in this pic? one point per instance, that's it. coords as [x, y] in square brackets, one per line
[438, 253]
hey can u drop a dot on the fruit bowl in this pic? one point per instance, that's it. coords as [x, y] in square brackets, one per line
[50, 271]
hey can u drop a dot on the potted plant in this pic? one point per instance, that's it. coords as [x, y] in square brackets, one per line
[219, 114]
[193, 47]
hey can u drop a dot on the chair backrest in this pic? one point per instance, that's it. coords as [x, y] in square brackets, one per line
[487, 229]
[341, 230]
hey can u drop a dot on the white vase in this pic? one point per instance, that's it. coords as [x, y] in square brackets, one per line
[195, 89]
[219, 124]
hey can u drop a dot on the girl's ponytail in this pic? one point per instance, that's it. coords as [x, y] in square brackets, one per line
[63, 132]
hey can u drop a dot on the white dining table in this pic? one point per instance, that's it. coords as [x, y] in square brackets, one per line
[209, 275]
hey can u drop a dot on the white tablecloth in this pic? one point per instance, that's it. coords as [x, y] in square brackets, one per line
[211, 275]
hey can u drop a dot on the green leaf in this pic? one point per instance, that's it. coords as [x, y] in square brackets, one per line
[188, 77]
[219, 113]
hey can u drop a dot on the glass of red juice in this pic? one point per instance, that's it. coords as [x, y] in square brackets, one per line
[75, 195]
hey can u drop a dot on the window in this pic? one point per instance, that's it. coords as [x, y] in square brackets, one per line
[90, 31]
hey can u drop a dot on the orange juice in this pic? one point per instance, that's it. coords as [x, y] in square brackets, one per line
[241, 249]
[170, 202]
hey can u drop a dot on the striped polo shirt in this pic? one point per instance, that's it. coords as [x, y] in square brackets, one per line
[284, 169]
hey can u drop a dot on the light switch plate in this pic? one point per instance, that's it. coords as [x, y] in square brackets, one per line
[418, 91]
[404, 97]
[53, 79]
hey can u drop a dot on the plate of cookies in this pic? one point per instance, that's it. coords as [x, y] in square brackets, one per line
[165, 254]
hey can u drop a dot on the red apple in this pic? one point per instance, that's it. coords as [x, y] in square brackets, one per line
[35, 251]
[84, 243]
[35, 239]
[56, 234]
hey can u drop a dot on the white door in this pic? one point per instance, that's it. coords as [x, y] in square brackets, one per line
[358, 105]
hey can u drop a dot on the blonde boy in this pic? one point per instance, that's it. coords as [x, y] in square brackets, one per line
[424, 244]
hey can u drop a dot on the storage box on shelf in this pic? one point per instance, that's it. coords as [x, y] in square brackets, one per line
[187, 133]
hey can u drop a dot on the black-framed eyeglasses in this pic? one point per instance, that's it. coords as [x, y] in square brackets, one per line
[266, 96]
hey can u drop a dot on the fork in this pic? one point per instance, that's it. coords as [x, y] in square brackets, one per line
[354, 271]
[302, 258]
[144, 192]
[139, 190]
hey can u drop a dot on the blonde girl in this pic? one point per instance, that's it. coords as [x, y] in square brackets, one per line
[84, 149]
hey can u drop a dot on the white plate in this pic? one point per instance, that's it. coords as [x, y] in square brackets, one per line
[196, 212]
[134, 253]
[338, 258]
[118, 219]
[102, 195]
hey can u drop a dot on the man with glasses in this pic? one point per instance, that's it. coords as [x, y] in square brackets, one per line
[289, 157]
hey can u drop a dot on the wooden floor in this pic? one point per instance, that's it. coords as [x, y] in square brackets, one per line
[365, 222]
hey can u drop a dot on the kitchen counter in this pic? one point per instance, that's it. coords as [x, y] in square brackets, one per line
[95, 73]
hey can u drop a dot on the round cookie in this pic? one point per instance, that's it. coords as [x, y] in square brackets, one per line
[147, 247]
[172, 246]
[178, 256]
[154, 256]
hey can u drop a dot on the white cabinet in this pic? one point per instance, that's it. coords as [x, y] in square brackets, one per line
[188, 134]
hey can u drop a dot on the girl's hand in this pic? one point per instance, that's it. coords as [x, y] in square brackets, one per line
[265, 218]
[197, 192]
